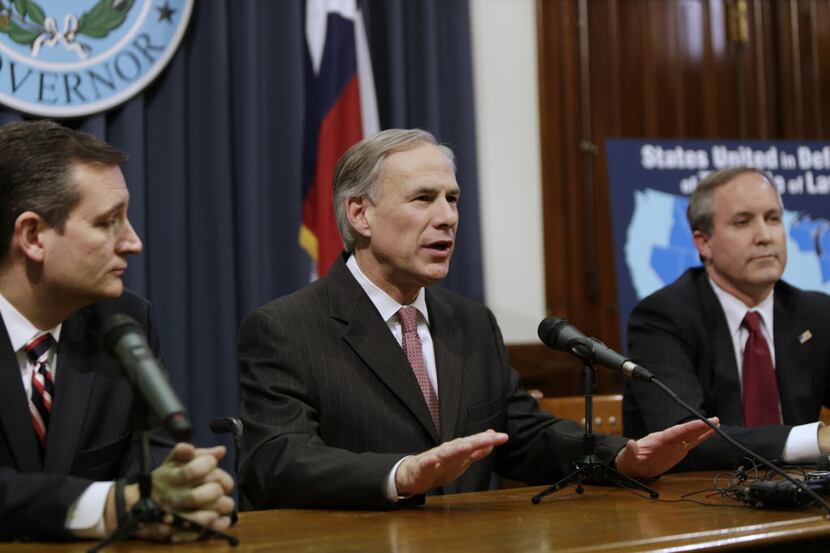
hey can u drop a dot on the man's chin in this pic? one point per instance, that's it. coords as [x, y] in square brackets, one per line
[114, 290]
[437, 272]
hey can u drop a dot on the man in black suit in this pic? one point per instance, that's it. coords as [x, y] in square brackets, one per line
[69, 421]
[369, 387]
[692, 334]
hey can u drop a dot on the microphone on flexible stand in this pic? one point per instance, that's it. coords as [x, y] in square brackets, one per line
[561, 335]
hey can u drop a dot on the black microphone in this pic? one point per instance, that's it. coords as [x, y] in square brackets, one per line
[559, 334]
[124, 338]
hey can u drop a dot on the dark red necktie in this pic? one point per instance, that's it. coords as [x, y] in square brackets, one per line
[43, 389]
[760, 386]
[414, 353]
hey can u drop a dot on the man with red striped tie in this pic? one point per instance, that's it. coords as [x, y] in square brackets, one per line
[68, 418]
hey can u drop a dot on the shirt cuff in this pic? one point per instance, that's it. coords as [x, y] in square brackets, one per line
[391, 488]
[85, 518]
[802, 444]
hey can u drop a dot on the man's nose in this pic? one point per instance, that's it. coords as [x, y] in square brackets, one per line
[763, 232]
[129, 243]
[447, 215]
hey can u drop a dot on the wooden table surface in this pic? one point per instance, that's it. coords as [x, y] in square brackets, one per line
[601, 519]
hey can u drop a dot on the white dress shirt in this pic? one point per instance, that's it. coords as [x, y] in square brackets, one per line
[388, 309]
[85, 517]
[802, 442]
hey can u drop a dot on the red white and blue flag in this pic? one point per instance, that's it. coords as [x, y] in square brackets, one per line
[340, 110]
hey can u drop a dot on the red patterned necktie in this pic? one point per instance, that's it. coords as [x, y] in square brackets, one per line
[759, 384]
[414, 353]
[43, 389]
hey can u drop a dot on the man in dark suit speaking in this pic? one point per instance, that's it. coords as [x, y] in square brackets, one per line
[69, 421]
[731, 338]
[369, 387]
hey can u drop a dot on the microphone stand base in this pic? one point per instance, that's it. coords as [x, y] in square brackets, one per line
[591, 470]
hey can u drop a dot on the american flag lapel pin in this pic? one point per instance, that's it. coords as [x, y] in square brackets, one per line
[804, 336]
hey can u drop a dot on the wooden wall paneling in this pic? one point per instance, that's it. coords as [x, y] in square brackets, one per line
[605, 121]
[822, 45]
[809, 43]
[555, 372]
[724, 73]
[714, 47]
[789, 77]
[671, 63]
[632, 68]
[647, 56]
[772, 67]
[758, 59]
[692, 26]
[556, 23]
[586, 151]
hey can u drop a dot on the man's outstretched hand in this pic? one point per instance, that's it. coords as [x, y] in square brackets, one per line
[656, 453]
[444, 463]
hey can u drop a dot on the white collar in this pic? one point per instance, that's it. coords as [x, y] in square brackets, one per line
[386, 306]
[19, 328]
[735, 310]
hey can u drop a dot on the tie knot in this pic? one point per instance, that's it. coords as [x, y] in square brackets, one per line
[409, 318]
[38, 347]
[752, 320]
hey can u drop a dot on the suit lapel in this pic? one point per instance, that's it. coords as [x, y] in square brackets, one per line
[14, 410]
[792, 360]
[73, 386]
[369, 336]
[449, 362]
[725, 366]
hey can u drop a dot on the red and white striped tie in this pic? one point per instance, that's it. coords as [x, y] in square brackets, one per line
[43, 389]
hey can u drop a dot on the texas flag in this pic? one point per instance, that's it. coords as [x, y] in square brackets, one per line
[340, 110]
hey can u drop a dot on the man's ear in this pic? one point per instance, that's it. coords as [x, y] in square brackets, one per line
[358, 210]
[28, 235]
[702, 244]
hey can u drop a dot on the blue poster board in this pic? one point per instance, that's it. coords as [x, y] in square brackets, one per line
[650, 182]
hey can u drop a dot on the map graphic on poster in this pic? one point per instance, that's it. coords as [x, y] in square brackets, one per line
[659, 240]
[650, 182]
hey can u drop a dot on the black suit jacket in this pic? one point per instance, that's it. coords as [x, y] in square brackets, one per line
[330, 403]
[680, 333]
[91, 429]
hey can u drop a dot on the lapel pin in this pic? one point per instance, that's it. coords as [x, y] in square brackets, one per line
[804, 336]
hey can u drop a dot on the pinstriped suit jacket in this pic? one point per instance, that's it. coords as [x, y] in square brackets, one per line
[680, 333]
[90, 431]
[330, 403]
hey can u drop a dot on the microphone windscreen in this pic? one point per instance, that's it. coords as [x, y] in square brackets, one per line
[114, 328]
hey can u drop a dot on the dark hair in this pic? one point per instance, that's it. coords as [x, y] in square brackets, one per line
[701, 210]
[36, 159]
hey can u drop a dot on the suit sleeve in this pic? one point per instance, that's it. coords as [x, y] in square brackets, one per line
[284, 462]
[35, 505]
[671, 348]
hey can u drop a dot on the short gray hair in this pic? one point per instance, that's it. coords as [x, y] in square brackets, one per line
[357, 171]
[701, 210]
